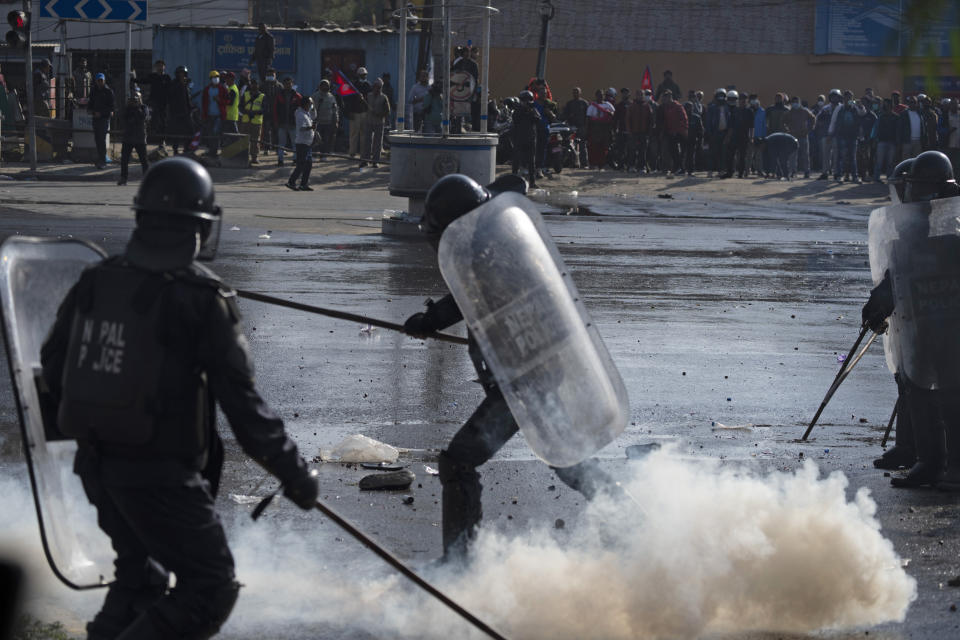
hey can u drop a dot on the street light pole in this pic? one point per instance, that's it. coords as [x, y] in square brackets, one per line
[546, 10]
[31, 133]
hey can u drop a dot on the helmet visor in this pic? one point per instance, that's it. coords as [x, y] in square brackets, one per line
[210, 240]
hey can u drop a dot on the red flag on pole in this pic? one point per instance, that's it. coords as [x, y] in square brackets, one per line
[344, 88]
[647, 82]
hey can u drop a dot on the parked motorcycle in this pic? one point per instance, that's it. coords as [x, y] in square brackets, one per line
[560, 148]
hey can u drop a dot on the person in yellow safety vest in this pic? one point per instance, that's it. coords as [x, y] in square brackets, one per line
[233, 104]
[251, 109]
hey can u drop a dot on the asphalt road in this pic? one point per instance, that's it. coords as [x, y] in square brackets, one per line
[717, 314]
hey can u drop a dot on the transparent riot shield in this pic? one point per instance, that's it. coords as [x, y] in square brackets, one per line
[35, 275]
[882, 234]
[919, 245]
[522, 307]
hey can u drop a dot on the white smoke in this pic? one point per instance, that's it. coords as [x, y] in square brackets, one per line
[44, 597]
[702, 550]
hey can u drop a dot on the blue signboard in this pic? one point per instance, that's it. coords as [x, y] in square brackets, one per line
[876, 28]
[945, 85]
[126, 10]
[232, 49]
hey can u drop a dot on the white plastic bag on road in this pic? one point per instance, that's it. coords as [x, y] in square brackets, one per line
[358, 448]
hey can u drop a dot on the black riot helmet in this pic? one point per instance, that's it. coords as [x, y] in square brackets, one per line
[930, 178]
[176, 199]
[455, 195]
[897, 180]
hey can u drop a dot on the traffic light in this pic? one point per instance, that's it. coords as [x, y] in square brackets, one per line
[19, 22]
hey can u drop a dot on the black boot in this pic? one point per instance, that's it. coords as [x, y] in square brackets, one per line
[929, 439]
[462, 509]
[950, 480]
[588, 478]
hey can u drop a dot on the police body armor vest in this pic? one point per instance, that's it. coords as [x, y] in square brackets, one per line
[123, 383]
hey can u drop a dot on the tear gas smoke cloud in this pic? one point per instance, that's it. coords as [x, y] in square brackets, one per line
[706, 550]
[719, 550]
[45, 596]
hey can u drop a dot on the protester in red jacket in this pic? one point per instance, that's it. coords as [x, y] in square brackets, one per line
[674, 128]
[640, 122]
[218, 92]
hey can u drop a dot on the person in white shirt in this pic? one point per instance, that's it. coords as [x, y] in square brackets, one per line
[303, 142]
[415, 101]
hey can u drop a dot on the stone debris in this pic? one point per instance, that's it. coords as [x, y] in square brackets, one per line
[636, 451]
[392, 480]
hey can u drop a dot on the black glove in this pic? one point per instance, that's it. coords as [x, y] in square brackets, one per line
[303, 491]
[418, 325]
[879, 306]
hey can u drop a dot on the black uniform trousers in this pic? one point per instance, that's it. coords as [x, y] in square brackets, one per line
[524, 153]
[153, 530]
[935, 415]
[126, 151]
[478, 440]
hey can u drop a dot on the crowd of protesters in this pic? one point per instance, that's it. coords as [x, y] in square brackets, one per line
[175, 111]
[837, 134]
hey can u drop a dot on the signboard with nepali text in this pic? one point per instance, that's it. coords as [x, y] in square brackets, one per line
[878, 28]
[232, 49]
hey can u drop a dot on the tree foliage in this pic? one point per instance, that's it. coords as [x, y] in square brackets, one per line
[921, 22]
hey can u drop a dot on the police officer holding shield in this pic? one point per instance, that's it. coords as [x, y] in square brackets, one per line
[144, 347]
[919, 296]
[874, 314]
[493, 423]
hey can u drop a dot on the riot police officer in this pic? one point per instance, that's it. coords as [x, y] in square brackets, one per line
[525, 132]
[492, 424]
[874, 314]
[143, 348]
[923, 268]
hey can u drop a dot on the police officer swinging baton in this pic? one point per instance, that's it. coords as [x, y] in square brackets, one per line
[848, 366]
[343, 315]
[346, 525]
[390, 559]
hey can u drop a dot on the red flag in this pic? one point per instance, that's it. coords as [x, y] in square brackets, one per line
[647, 82]
[344, 87]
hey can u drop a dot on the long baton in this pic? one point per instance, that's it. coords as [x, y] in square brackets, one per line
[393, 561]
[343, 315]
[886, 434]
[860, 355]
[836, 381]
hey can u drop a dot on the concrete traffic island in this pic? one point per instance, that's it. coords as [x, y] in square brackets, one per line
[417, 161]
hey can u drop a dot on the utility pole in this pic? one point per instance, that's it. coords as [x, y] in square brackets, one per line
[127, 64]
[28, 72]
